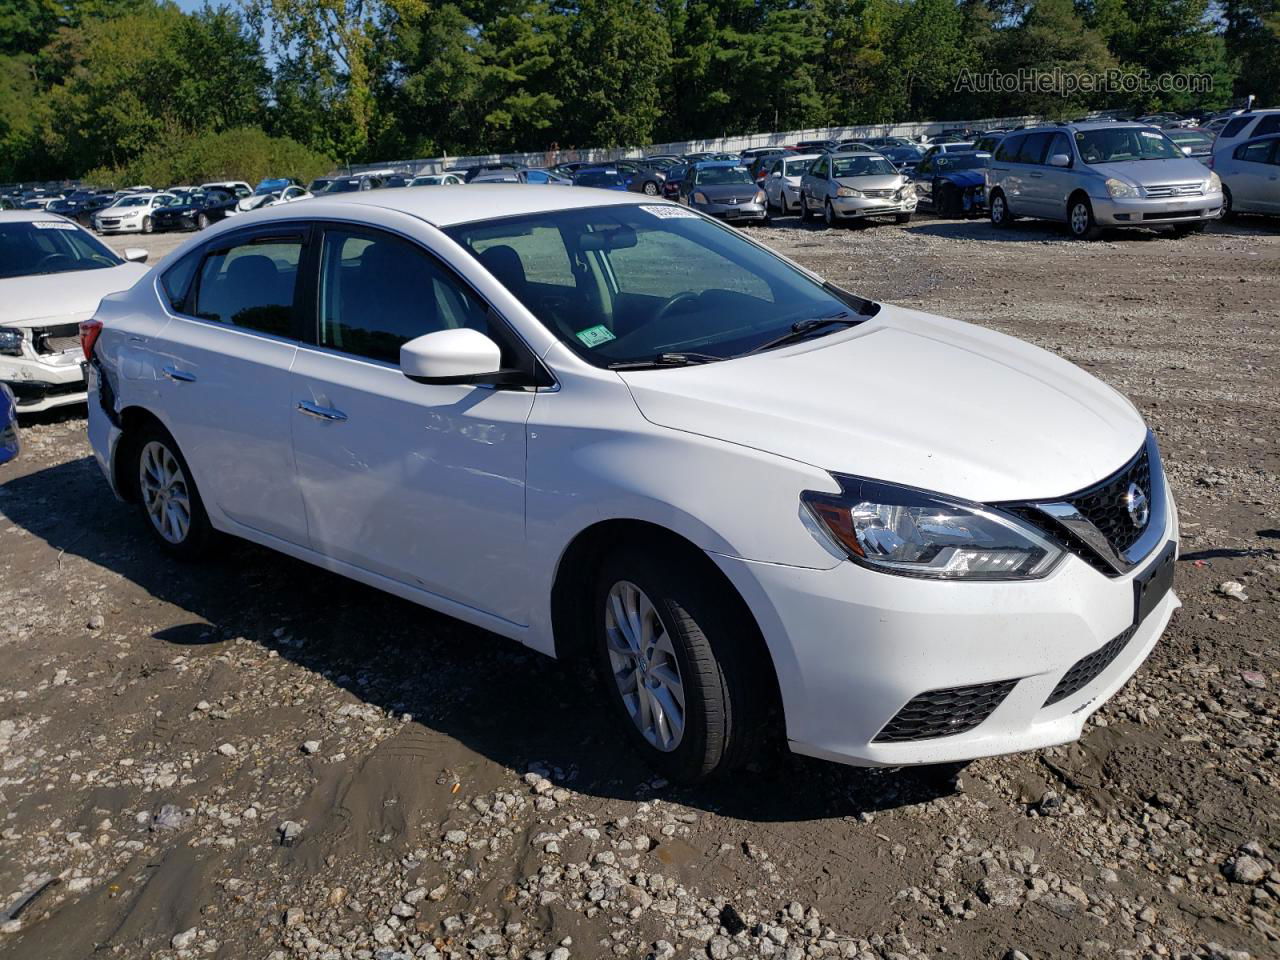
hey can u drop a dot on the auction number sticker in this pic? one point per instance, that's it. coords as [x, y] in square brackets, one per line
[53, 225]
[594, 336]
[670, 212]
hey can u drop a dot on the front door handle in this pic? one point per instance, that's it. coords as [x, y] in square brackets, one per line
[321, 413]
[178, 376]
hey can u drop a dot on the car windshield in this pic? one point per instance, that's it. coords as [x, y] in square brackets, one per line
[713, 176]
[342, 186]
[597, 178]
[867, 165]
[133, 202]
[1189, 138]
[30, 248]
[626, 284]
[962, 161]
[1125, 143]
[425, 181]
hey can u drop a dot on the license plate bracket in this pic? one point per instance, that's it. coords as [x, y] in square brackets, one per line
[1150, 586]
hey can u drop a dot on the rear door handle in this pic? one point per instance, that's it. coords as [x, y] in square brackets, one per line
[178, 376]
[321, 413]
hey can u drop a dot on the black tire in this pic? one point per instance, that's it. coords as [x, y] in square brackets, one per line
[1080, 222]
[999, 212]
[806, 216]
[902, 218]
[1228, 210]
[202, 221]
[147, 226]
[650, 188]
[199, 536]
[724, 697]
[829, 214]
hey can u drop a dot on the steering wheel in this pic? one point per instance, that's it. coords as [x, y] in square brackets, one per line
[686, 296]
[45, 260]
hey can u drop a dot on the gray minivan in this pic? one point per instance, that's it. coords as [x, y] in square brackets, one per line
[1097, 175]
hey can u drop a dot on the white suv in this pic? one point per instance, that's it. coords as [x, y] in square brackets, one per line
[628, 436]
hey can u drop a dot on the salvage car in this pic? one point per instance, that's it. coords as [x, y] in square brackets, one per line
[782, 185]
[132, 213]
[725, 190]
[431, 180]
[840, 187]
[1250, 177]
[53, 272]
[651, 465]
[10, 445]
[1100, 174]
[953, 185]
[197, 210]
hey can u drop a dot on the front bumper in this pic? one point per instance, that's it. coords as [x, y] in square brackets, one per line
[732, 211]
[855, 207]
[184, 222]
[43, 384]
[1151, 212]
[118, 226]
[852, 647]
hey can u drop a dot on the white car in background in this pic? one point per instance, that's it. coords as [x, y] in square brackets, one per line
[782, 185]
[131, 213]
[237, 188]
[53, 272]
[663, 466]
[260, 201]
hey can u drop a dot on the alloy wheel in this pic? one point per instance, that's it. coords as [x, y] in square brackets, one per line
[163, 487]
[651, 189]
[997, 208]
[644, 665]
[146, 224]
[1079, 218]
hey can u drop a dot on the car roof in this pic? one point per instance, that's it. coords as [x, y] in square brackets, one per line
[479, 201]
[28, 216]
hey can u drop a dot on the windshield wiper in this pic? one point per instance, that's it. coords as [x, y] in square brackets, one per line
[802, 328]
[665, 360]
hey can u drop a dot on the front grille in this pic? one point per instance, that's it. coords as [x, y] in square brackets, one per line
[879, 194]
[1106, 506]
[56, 339]
[944, 713]
[1176, 190]
[1085, 670]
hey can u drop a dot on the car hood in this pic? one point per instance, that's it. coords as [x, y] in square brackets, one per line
[722, 192]
[1149, 173]
[28, 301]
[912, 399]
[880, 181]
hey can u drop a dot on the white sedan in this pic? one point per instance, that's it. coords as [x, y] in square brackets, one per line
[131, 213]
[782, 185]
[52, 275]
[615, 430]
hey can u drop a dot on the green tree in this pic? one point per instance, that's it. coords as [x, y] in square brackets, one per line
[1052, 37]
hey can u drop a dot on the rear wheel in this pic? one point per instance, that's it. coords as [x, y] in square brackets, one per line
[672, 659]
[168, 494]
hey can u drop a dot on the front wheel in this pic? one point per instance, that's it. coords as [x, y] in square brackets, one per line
[1080, 220]
[829, 214]
[902, 218]
[1000, 216]
[651, 189]
[147, 226]
[671, 658]
[806, 215]
[1227, 210]
[202, 221]
[168, 494]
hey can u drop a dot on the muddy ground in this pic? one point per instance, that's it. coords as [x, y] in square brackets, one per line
[255, 759]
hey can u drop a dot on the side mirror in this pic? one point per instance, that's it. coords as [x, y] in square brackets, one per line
[1060, 160]
[462, 355]
[136, 254]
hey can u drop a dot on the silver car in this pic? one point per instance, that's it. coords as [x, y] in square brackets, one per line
[1250, 177]
[1092, 175]
[782, 185]
[855, 186]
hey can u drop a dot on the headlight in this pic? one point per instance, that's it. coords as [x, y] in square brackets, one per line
[847, 192]
[10, 342]
[760, 197]
[919, 534]
[1118, 188]
[698, 197]
[1215, 183]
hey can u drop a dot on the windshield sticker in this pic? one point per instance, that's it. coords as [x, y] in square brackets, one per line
[594, 336]
[669, 212]
[53, 225]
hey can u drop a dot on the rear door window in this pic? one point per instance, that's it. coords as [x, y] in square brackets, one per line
[1268, 124]
[1033, 147]
[1256, 152]
[1234, 126]
[251, 282]
[1009, 148]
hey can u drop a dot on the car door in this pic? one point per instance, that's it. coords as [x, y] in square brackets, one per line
[224, 360]
[420, 483]
[923, 175]
[774, 183]
[813, 186]
[1269, 202]
[1029, 178]
[1052, 185]
[1247, 179]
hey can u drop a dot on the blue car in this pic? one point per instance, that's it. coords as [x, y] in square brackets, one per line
[607, 178]
[8, 425]
[954, 185]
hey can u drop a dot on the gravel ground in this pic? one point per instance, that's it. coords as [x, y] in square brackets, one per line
[255, 759]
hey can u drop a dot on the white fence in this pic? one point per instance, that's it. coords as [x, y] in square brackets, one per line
[722, 144]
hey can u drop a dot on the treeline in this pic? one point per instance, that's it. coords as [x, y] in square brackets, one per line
[128, 85]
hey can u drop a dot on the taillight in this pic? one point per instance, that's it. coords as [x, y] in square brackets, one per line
[89, 331]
